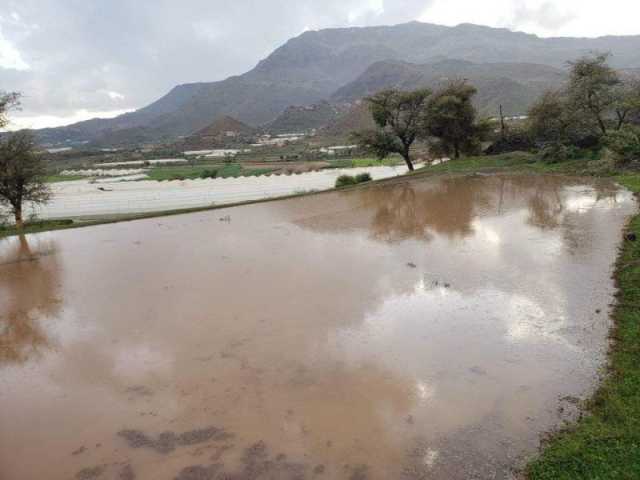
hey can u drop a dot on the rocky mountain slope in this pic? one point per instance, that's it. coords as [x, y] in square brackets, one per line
[514, 85]
[304, 118]
[319, 65]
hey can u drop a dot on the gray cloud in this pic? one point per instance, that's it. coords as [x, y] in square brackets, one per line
[109, 55]
[547, 15]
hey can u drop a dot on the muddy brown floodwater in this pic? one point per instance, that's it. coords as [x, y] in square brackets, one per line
[419, 329]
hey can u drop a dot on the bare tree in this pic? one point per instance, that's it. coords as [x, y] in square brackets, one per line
[22, 173]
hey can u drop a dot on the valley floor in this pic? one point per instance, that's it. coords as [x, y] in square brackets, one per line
[112, 197]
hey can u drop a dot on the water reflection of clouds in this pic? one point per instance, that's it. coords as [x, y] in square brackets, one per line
[582, 199]
[487, 233]
[426, 318]
[138, 360]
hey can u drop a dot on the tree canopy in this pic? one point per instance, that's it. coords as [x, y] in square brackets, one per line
[451, 119]
[7, 102]
[592, 89]
[399, 119]
[598, 106]
[596, 101]
[22, 173]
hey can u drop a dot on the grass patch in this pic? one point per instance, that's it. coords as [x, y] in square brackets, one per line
[514, 160]
[204, 171]
[36, 227]
[364, 162]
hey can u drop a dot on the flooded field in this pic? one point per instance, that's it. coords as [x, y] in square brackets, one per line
[424, 329]
[113, 196]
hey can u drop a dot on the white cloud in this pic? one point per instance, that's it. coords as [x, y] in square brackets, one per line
[10, 57]
[44, 121]
[63, 55]
[113, 95]
[582, 18]
[360, 12]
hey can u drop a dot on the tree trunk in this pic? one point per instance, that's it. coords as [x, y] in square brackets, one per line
[407, 159]
[456, 151]
[621, 118]
[25, 250]
[18, 216]
[603, 127]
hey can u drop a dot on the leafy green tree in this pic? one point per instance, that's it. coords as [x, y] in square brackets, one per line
[595, 102]
[451, 119]
[399, 120]
[593, 90]
[22, 173]
[625, 143]
[7, 102]
[551, 119]
[547, 117]
[627, 104]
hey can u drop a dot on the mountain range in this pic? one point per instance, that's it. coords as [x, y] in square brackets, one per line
[341, 65]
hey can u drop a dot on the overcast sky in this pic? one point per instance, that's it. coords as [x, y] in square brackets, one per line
[77, 59]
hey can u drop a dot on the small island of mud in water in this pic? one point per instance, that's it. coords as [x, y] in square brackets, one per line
[416, 329]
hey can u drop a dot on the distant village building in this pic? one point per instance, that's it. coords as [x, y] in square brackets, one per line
[338, 149]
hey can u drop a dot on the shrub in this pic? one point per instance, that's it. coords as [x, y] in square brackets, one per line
[209, 174]
[514, 140]
[363, 177]
[625, 144]
[553, 153]
[345, 181]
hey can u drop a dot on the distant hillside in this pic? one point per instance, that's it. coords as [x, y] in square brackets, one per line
[317, 64]
[356, 117]
[303, 118]
[514, 85]
[223, 131]
[225, 126]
